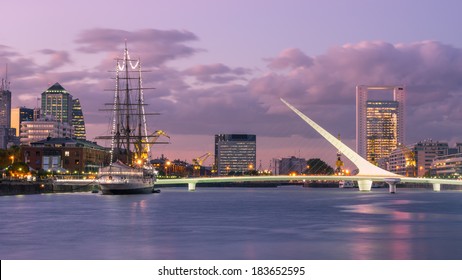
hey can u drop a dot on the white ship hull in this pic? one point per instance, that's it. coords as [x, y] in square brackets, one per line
[133, 186]
[121, 179]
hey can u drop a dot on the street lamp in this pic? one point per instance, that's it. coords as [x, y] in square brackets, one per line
[12, 159]
[167, 164]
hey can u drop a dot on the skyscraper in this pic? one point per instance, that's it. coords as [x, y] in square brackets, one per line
[5, 114]
[57, 102]
[5, 105]
[235, 152]
[20, 114]
[379, 122]
[78, 121]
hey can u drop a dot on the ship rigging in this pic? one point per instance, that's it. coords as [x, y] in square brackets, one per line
[130, 170]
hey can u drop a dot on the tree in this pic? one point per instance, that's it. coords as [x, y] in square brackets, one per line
[7, 157]
[316, 166]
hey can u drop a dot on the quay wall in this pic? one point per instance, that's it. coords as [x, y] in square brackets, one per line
[20, 188]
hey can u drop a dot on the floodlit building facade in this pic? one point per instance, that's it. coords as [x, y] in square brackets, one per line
[78, 121]
[5, 114]
[5, 105]
[447, 166]
[19, 115]
[379, 122]
[32, 131]
[69, 156]
[57, 102]
[235, 152]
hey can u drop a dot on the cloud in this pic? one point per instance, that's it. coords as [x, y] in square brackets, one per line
[57, 58]
[6, 51]
[290, 58]
[431, 72]
[155, 46]
[217, 73]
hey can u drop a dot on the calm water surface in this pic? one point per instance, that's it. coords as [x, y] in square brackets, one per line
[234, 223]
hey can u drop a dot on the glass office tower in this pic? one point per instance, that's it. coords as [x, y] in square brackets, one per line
[235, 153]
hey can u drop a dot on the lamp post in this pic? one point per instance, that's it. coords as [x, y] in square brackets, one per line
[167, 165]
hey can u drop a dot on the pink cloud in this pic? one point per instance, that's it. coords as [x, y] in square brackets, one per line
[217, 73]
[57, 58]
[290, 58]
[155, 46]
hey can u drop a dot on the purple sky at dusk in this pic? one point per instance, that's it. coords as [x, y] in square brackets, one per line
[221, 66]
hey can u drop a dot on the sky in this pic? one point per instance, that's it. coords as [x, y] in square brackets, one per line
[221, 66]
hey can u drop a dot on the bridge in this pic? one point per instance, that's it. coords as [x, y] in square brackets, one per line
[368, 173]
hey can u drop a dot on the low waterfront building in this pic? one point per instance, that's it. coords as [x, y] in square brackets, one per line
[32, 131]
[292, 165]
[447, 166]
[416, 160]
[65, 155]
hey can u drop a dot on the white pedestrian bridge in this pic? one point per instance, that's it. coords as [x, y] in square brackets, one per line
[368, 173]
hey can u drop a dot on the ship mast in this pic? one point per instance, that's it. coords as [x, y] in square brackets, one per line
[129, 137]
[127, 130]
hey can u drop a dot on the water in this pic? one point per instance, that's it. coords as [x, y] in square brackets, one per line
[234, 223]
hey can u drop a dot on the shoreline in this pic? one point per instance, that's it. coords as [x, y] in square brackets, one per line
[8, 188]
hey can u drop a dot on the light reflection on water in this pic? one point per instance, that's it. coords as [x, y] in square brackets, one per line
[234, 223]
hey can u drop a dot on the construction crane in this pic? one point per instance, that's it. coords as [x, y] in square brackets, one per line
[410, 161]
[197, 162]
[142, 147]
[339, 163]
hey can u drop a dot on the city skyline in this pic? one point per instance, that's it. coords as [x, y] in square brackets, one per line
[227, 77]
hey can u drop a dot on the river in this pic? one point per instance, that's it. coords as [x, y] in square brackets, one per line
[287, 222]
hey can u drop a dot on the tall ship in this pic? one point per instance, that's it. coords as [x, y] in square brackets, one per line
[130, 170]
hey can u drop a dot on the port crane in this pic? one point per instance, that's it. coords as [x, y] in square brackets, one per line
[197, 162]
[142, 150]
[339, 163]
[410, 160]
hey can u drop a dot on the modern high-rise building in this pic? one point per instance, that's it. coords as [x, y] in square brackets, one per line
[5, 105]
[20, 114]
[379, 121]
[78, 121]
[235, 152]
[5, 114]
[56, 101]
